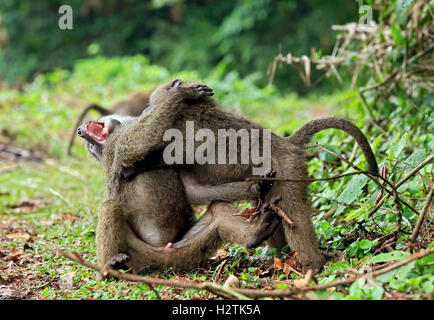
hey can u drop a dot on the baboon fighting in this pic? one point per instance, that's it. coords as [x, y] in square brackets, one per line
[141, 216]
[140, 148]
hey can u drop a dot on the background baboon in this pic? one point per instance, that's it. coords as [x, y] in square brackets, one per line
[133, 107]
[152, 208]
[287, 157]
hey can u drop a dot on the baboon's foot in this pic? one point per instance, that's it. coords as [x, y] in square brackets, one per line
[118, 262]
[266, 228]
[316, 266]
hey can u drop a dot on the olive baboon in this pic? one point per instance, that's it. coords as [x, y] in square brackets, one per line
[141, 216]
[142, 144]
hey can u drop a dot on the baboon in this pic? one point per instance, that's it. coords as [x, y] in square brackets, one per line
[138, 146]
[118, 246]
[141, 216]
[133, 106]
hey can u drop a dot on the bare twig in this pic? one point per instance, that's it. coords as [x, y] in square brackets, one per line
[370, 176]
[245, 293]
[402, 181]
[282, 214]
[212, 287]
[425, 210]
[307, 180]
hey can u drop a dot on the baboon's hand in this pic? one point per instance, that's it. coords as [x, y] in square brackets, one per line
[189, 91]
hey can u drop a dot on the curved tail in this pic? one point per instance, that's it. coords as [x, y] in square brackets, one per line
[103, 111]
[303, 136]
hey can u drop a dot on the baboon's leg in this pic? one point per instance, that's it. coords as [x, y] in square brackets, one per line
[301, 237]
[111, 234]
[218, 225]
[277, 239]
[101, 110]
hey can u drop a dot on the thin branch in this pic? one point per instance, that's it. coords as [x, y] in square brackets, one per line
[212, 287]
[245, 293]
[422, 215]
[307, 180]
[370, 176]
[402, 181]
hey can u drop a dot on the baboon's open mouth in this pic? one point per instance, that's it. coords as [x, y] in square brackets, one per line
[97, 130]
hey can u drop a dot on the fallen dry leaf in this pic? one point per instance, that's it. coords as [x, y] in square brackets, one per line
[70, 217]
[278, 264]
[24, 206]
[196, 296]
[221, 253]
[18, 235]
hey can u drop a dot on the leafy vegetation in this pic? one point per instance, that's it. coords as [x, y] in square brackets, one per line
[179, 34]
[50, 204]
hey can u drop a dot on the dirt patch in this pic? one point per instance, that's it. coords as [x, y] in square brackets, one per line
[18, 280]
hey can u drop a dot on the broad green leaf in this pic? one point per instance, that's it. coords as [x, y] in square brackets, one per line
[403, 271]
[428, 286]
[281, 286]
[389, 256]
[377, 293]
[416, 158]
[351, 251]
[398, 147]
[397, 35]
[355, 214]
[405, 3]
[339, 266]
[354, 189]
[366, 244]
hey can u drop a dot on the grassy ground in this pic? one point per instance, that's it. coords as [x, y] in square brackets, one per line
[50, 201]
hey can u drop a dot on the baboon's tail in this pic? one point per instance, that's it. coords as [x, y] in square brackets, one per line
[103, 111]
[303, 136]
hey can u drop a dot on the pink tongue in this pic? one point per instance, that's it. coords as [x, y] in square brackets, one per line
[97, 129]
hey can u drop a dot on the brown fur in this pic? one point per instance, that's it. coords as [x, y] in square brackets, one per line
[218, 225]
[171, 110]
[142, 215]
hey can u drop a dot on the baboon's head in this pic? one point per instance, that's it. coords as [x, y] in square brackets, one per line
[96, 133]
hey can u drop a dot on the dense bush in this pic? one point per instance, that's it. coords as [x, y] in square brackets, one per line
[179, 34]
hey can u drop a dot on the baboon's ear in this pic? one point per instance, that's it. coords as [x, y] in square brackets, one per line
[113, 124]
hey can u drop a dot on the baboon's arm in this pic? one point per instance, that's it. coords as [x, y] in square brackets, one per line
[147, 134]
[202, 194]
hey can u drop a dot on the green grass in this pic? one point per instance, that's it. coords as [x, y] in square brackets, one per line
[65, 192]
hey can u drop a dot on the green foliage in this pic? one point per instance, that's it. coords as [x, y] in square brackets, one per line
[41, 115]
[179, 34]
